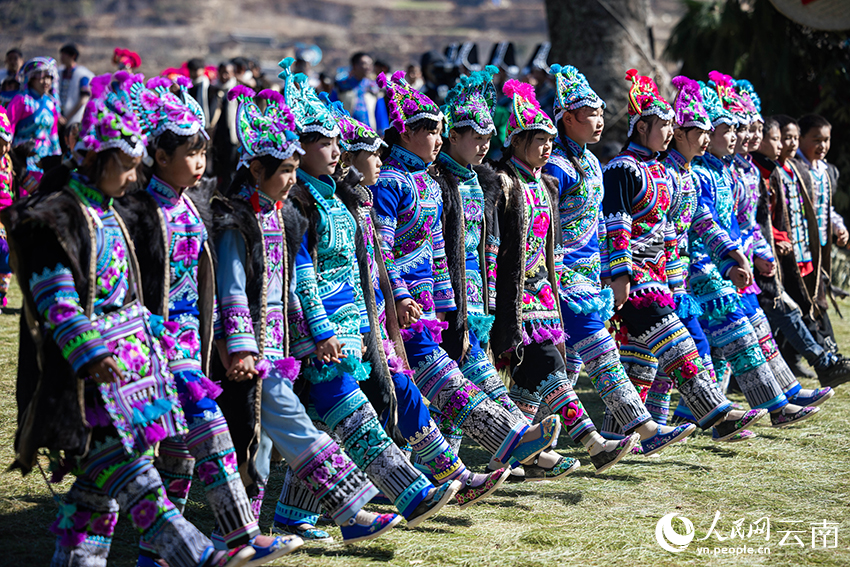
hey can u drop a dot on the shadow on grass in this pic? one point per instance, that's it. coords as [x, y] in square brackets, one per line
[373, 552]
[451, 521]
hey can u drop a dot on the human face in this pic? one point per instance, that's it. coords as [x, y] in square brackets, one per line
[41, 82]
[584, 125]
[742, 141]
[320, 157]
[469, 148]
[658, 133]
[368, 164]
[424, 143]
[535, 153]
[815, 144]
[692, 143]
[790, 142]
[184, 168]
[14, 62]
[281, 181]
[4, 147]
[225, 73]
[363, 67]
[723, 140]
[118, 173]
[756, 136]
[771, 144]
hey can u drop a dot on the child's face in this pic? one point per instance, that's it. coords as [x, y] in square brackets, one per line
[469, 148]
[320, 157]
[790, 141]
[659, 133]
[536, 153]
[584, 125]
[742, 142]
[4, 147]
[72, 135]
[756, 136]
[771, 144]
[281, 181]
[815, 144]
[692, 143]
[424, 143]
[369, 165]
[119, 172]
[184, 168]
[723, 140]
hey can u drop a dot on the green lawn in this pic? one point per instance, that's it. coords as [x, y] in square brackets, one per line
[794, 477]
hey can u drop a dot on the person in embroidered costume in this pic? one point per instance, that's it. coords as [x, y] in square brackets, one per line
[579, 115]
[408, 203]
[105, 343]
[726, 314]
[252, 230]
[328, 315]
[34, 115]
[640, 259]
[169, 232]
[8, 189]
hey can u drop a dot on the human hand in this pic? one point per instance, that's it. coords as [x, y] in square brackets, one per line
[329, 350]
[621, 288]
[765, 267]
[105, 370]
[242, 366]
[408, 312]
[784, 248]
[842, 237]
[740, 277]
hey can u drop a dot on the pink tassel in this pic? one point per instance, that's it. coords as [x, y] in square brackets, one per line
[196, 392]
[720, 79]
[154, 433]
[98, 85]
[213, 389]
[183, 81]
[398, 76]
[156, 82]
[513, 87]
[289, 368]
[271, 95]
[687, 85]
[381, 79]
[262, 368]
[171, 326]
[240, 90]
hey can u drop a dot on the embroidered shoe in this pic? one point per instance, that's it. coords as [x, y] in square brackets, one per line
[280, 546]
[517, 474]
[382, 523]
[550, 428]
[564, 466]
[661, 441]
[431, 505]
[604, 460]
[781, 419]
[469, 495]
[238, 557]
[728, 430]
[814, 398]
[309, 534]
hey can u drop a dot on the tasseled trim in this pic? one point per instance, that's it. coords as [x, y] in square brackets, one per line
[718, 308]
[148, 414]
[327, 372]
[643, 299]
[584, 304]
[394, 361]
[433, 325]
[481, 325]
[288, 368]
[687, 306]
[542, 331]
[197, 390]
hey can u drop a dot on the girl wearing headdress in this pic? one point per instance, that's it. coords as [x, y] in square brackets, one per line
[8, 192]
[253, 227]
[169, 223]
[104, 395]
[408, 203]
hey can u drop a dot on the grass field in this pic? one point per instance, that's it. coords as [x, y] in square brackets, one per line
[795, 478]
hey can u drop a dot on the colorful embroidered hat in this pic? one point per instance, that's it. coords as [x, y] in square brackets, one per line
[160, 108]
[6, 132]
[526, 113]
[747, 92]
[311, 115]
[572, 90]
[725, 86]
[644, 99]
[688, 105]
[36, 65]
[472, 102]
[355, 136]
[269, 132]
[126, 58]
[109, 121]
[714, 107]
[406, 104]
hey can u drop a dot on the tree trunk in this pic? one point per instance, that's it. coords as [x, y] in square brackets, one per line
[603, 39]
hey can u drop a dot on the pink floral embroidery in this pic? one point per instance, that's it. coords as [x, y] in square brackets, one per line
[541, 225]
[207, 471]
[546, 298]
[230, 464]
[186, 250]
[689, 369]
[179, 486]
[144, 513]
[104, 524]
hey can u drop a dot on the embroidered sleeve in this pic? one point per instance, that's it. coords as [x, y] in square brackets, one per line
[359, 299]
[235, 314]
[491, 252]
[674, 269]
[836, 220]
[762, 247]
[21, 107]
[717, 241]
[59, 305]
[307, 290]
[620, 187]
[387, 199]
[218, 330]
[444, 297]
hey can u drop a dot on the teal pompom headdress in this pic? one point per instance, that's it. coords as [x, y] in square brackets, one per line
[573, 90]
[747, 92]
[714, 107]
[311, 115]
[472, 102]
[355, 136]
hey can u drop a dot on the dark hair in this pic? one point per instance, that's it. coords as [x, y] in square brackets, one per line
[784, 120]
[562, 133]
[168, 142]
[769, 124]
[239, 62]
[195, 63]
[243, 175]
[393, 136]
[357, 57]
[812, 121]
[462, 130]
[526, 137]
[310, 137]
[16, 51]
[70, 49]
[95, 169]
[686, 130]
[650, 120]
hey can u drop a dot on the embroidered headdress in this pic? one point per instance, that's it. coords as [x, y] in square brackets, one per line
[644, 99]
[269, 132]
[126, 58]
[526, 113]
[747, 92]
[355, 136]
[311, 115]
[36, 65]
[688, 105]
[714, 107]
[160, 108]
[6, 132]
[405, 104]
[572, 90]
[725, 86]
[109, 121]
[472, 102]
